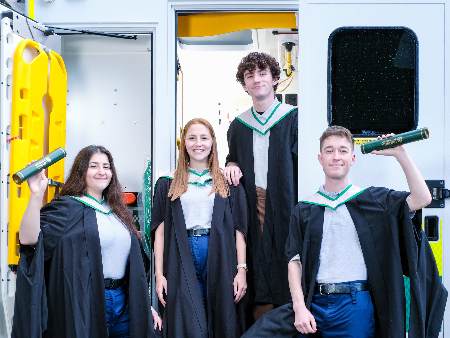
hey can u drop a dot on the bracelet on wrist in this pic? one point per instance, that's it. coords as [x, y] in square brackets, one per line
[242, 266]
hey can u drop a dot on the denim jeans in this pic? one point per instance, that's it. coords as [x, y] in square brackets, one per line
[344, 315]
[116, 311]
[199, 250]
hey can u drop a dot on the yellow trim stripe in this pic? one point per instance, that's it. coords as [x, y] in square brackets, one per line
[207, 24]
[363, 140]
[437, 249]
[31, 9]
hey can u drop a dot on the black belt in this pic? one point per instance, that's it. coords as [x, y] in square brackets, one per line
[114, 283]
[333, 288]
[197, 232]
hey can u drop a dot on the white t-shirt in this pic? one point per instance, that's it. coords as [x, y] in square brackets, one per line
[198, 201]
[115, 238]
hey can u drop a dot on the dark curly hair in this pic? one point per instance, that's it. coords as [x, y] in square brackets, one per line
[258, 60]
[76, 184]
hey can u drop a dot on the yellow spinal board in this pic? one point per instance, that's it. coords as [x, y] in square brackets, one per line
[31, 92]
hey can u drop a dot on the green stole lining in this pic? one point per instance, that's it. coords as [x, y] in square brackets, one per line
[350, 192]
[93, 203]
[278, 111]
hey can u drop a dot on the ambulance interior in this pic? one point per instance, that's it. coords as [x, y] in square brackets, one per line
[207, 65]
[109, 88]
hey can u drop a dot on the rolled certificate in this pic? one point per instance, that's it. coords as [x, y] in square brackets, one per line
[40, 164]
[396, 140]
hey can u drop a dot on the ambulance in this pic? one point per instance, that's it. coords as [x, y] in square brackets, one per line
[128, 75]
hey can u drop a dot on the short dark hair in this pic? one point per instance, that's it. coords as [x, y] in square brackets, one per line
[258, 60]
[337, 131]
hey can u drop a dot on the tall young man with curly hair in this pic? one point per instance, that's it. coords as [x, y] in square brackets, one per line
[263, 157]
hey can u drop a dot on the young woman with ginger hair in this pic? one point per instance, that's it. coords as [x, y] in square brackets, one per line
[199, 225]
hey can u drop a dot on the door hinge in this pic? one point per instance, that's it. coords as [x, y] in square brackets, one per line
[438, 193]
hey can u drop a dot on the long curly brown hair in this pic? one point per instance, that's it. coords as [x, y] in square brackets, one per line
[179, 184]
[76, 184]
[258, 60]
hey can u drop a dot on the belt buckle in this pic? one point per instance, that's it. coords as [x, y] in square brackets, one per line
[195, 233]
[330, 289]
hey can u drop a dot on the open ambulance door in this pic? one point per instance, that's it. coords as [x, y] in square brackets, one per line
[32, 123]
[377, 68]
[108, 98]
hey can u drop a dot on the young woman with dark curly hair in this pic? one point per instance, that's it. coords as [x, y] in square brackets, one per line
[81, 271]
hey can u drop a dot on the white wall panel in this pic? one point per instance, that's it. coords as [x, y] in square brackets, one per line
[109, 101]
[95, 11]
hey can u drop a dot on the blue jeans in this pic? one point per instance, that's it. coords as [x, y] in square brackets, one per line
[344, 315]
[199, 250]
[116, 311]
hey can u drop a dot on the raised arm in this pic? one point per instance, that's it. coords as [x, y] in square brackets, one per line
[30, 226]
[419, 193]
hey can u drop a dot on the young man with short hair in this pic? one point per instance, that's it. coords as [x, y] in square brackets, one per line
[348, 249]
[263, 156]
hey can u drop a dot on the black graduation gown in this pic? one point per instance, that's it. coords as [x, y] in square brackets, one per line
[266, 256]
[60, 290]
[185, 315]
[392, 247]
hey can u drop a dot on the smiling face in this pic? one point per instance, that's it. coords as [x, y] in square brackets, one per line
[98, 174]
[259, 83]
[336, 157]
[198, 142]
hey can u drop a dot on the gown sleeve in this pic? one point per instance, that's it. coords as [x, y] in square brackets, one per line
[238, 203]
[294, 135]
[160, 202]
[55, 217]
[428, 295]
[294, 241]
[392, 201]
[30, 307]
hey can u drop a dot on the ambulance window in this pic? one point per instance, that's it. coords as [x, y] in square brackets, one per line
[372, 79]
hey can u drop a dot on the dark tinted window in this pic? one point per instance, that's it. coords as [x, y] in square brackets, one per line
[372, 79]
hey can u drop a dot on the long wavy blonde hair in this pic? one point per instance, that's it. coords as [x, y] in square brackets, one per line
[179, 184]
